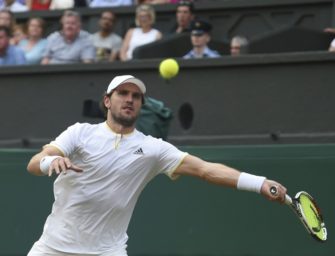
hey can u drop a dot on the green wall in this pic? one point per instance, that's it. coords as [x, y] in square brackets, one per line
[189, 216]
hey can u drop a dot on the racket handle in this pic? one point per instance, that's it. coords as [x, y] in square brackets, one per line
[274, 191]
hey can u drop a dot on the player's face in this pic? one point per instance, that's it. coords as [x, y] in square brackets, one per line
[125, 104]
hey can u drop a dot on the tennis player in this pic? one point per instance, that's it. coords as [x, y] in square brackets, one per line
[102, 169]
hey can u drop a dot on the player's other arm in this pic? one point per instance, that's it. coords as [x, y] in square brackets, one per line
[50, 160]
[223, 175]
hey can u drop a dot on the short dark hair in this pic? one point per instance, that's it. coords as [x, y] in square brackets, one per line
[186, 3]
[6, 30]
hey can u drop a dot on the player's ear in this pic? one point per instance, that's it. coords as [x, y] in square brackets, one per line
[107, 101]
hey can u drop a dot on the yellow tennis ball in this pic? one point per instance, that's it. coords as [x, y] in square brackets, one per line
[168, 68]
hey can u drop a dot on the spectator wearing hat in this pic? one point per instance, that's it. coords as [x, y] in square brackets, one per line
[184, 17]
[200, 38]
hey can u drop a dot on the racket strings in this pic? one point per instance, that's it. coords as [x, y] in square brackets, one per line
[312, 216]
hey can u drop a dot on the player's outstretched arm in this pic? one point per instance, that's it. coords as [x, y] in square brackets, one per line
[50, 160]
[221, 174]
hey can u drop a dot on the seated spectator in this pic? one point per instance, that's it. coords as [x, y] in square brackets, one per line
[107, 44]
[143, 34]
[7, 19]
[184, 17]
[238, 45]
[110, 3]
[19, 33]
[332, 46]
[34, 46]
[61, 4]
[71, 44]
[13, 6]
[38, 5]
[9, 54]
[200, 37]
[154, 2]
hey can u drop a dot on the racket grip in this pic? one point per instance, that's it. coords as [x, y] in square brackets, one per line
[274, 191]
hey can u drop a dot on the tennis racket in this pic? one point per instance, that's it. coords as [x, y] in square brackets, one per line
[308, 212]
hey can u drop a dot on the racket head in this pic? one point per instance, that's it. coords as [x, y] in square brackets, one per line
[310, 215]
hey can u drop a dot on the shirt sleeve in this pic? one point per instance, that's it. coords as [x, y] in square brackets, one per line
[88, 52]
[47, 53]
[68, 141]
[21, 59]
[169, 159]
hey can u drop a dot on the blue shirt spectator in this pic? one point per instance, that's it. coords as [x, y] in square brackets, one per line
[70, 45]
[9, 54]
[34, 45]
[12, 5]
[200, 38]
[35, 54]
[207, 53]
[110, 3]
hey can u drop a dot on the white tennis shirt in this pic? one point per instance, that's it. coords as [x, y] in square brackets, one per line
[92, 209]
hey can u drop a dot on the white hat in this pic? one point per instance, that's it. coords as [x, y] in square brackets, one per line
[118, 80]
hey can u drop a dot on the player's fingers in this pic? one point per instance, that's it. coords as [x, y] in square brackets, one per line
[54, 167]
[71, 166]
[62, 165]
[75, 168]
[277, 192]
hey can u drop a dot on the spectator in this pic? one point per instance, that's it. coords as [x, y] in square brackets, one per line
[143, 34]
[107, 44]
[200, 38]
[38, 5]
[9, 54]
[110, 3]
[238, 45]
[13, 6]
[19, 33]
[34, 45]
[7, 19]
[184, 17]
[61, 4]
[154, 1]
[332, 46]
[71, 44]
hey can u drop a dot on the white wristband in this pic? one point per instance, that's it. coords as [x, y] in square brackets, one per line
[250, 182]
[45, 163]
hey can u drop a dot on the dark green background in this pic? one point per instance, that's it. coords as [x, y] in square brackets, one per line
[189, 216]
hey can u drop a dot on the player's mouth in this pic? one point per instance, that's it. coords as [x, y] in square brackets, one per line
[128, 108]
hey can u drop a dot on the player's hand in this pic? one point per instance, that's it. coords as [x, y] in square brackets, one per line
[281, 191]
[62, 164]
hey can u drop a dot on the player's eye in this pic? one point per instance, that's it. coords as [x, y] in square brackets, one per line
[137, 96]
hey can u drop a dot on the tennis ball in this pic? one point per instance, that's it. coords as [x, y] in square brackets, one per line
[168, 68]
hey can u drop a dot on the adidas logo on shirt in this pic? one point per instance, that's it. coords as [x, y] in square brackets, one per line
[139, 152]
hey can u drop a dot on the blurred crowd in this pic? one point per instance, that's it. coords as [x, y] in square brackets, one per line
[26, 5]
[26, 43]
